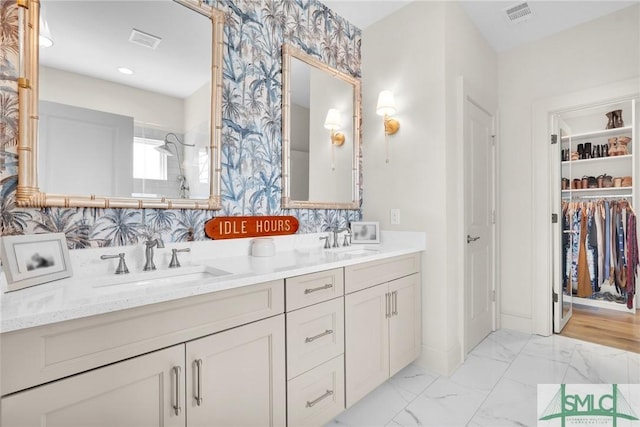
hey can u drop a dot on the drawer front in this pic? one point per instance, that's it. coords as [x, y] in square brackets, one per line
[317, 396]
[361, 276]
[313, 288]
[37, 355]
[314, 335]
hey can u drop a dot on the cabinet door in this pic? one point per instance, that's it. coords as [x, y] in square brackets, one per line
[137, 392]
[405, 331]
[367, 341]
[238, 376]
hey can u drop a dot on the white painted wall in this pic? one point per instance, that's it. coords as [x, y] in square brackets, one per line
[431, 44]
[603, 51]
[82, 91]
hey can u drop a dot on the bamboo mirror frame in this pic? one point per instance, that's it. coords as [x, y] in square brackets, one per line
[290, 53]
[28, 193]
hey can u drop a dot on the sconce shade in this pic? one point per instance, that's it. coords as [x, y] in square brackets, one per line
[386, 104]
[45, 39]
[333, 120]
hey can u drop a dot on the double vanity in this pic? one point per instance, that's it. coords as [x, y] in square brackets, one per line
[291, 339]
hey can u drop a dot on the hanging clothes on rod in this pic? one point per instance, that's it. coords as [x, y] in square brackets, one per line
[600, 249]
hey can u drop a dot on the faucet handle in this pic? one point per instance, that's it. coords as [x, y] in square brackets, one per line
[326, 241]
[174, 263]
[122, 265]
[347, 239]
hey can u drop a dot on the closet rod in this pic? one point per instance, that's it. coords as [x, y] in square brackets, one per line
[618, 196]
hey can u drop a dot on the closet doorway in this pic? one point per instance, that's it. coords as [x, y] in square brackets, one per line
[479, 218]
[595, 244]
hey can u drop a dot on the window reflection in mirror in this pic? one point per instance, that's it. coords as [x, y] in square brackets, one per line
[319, 173]
[102, 125]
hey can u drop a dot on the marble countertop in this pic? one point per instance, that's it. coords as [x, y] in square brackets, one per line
[89, 292]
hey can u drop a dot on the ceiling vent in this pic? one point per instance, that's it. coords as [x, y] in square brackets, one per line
[518, 13]
[144, 39]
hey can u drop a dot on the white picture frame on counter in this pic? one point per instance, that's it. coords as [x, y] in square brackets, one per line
[32, 259]
[365, 232]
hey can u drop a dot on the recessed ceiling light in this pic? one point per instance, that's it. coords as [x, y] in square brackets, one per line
[125, 70]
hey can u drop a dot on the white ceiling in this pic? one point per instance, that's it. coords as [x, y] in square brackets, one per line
[548, 17]
[105, 27]
[91, 38]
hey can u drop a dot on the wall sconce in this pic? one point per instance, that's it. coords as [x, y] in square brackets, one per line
[386, 107]
[333, 122]
[44, 39]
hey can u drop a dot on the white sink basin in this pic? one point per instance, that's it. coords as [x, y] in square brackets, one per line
[178, 276]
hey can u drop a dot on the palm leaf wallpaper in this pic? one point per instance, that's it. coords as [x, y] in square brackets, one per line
[252, 121]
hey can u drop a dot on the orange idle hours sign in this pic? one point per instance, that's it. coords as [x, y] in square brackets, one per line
[234, 227]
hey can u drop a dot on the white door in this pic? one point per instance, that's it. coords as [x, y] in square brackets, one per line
[78, 142]
[479, 213]
[237, 377]
[143, 391]
[562, 239]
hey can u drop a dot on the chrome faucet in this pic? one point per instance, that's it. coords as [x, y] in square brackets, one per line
[337, 231]
[148, 253]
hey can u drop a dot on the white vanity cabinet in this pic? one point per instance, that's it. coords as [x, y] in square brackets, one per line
[288, 352]
[382, 322]
[144, 391]
[237, 334]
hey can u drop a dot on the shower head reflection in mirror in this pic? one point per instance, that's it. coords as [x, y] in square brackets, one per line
[164, 149]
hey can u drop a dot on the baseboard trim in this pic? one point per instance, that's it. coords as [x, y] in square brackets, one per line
[516, 323]
[443, 362]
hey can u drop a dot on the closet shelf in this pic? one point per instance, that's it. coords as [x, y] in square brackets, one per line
[599, 192]
[595, 161]
[599, 133]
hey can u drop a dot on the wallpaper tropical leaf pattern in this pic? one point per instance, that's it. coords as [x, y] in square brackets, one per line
[252, 121]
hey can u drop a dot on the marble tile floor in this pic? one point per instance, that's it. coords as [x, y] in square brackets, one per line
[496, 385]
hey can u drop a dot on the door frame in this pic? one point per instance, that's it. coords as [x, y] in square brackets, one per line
[541, 197]
[467, 93]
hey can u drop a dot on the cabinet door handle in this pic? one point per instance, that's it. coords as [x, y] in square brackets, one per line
[315, 337]
[387, 301]
[312, 403]
[395, 303]
[319, 288]
[472, 239]
[176, 406]
[198, 396]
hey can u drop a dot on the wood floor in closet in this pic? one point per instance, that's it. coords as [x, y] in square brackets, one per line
[606, 327]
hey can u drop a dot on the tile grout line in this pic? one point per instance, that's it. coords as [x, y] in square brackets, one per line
[494, 386]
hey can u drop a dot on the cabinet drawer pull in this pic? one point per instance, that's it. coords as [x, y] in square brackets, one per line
[311, 339]
[324, 396]
[319, 288]
[176, 406]
[198, 395]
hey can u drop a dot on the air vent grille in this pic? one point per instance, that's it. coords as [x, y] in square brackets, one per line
[518, 13]
[144, 39]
